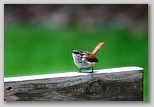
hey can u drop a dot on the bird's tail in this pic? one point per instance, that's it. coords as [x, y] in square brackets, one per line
[97, 48]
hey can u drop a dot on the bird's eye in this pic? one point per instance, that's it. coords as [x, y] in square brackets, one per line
[76, 52]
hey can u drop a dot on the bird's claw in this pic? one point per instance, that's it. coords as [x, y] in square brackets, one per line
[79, 71]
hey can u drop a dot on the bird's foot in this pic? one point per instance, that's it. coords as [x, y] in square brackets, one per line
[79, 71]
[92, 71]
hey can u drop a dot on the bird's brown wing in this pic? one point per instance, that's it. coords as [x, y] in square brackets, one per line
[91, 57]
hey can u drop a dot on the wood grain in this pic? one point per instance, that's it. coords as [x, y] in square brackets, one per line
[115, 86]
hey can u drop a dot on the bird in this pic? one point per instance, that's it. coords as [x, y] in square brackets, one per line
[85, 59]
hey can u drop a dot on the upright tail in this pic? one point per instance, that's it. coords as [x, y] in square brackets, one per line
[97, 48]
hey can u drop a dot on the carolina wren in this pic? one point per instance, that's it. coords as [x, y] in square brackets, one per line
[85, 59]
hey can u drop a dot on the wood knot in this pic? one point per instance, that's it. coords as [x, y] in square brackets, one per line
[94, 88]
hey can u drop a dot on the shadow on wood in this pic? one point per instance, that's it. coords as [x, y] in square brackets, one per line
[115, 84]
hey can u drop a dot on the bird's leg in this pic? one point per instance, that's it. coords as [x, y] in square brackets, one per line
[79, 70]
[92, 69]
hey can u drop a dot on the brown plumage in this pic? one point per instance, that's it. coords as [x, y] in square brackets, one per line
[84, 59]
[97, 48]
[90, 57]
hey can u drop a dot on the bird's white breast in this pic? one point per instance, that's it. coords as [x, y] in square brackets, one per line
[80, 62]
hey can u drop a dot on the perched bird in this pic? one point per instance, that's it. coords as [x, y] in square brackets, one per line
[85, 59]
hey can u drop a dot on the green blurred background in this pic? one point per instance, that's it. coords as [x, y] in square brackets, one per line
[38, 39]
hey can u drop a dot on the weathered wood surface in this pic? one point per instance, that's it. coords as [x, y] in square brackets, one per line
[103, 85]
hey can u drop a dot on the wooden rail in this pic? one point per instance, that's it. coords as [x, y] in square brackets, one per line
[114, 84]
